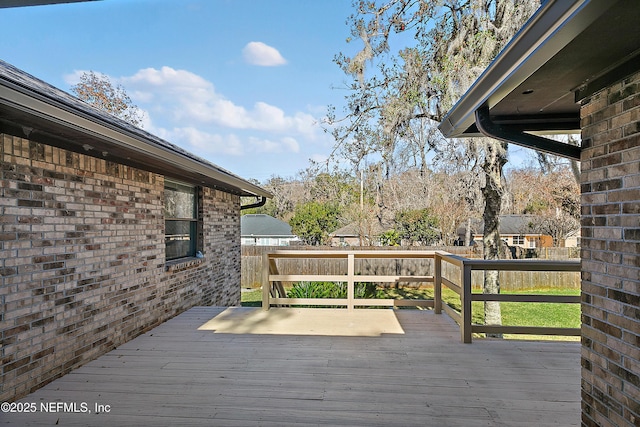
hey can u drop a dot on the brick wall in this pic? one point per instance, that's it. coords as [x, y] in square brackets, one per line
[82, 266]
[611, 256]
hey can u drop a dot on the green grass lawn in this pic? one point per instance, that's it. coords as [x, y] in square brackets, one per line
[251, 298]
[513, 313]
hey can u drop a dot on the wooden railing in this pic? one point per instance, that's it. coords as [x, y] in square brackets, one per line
[463, 289]
[274, 292]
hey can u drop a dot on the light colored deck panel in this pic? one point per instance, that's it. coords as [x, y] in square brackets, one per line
[178, 374]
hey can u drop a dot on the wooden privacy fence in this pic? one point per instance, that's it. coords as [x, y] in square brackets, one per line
[451, 271]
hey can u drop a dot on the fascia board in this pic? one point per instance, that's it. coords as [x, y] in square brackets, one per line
[62, 115]
[549, 30]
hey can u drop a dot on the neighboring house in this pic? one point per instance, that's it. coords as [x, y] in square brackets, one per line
[515, 230]
[106, 231]
[355, 234]
[265, 230]
[573, 239]
[575, 66]
[521, 231]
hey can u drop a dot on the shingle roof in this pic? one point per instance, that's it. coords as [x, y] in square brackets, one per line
[351, 230]
[509, 225]
[264, 225]
[47, 114]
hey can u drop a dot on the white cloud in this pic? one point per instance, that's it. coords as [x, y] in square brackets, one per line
[291, 144]
[206, 144]
[187, 110]
[202, 143]
[282, 145]
[258, 53]
[168, 87]
[186, 98]
[73, 78]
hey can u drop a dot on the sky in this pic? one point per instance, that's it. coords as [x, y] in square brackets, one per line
[243, 84]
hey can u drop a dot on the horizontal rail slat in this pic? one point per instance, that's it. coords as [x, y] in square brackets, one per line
[452, 313]
[392, 279]
[415, 279]
[307, 278]
[373, 302]
[527, 330]
[357, 302]
[394, 254]
[356, 254]
[341, 278]
[524, 265]
[309, 301]
[454, 287]
[560, 299]
[310, 254]
[413, 303]
[393, 302]
[452, 259]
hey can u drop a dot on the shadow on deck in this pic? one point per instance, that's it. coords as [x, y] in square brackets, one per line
[215, 366]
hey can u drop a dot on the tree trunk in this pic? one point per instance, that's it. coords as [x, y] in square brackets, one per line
[495, 159]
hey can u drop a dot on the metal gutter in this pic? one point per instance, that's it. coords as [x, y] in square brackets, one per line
[504, 133]
[551, 28]
[261, 202]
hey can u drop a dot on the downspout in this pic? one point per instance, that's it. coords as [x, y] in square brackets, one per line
[504, 133]
[258, 204]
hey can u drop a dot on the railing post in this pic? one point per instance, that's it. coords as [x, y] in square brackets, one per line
[266, 284]
[350, 281]
[437, 284]
[465, 300]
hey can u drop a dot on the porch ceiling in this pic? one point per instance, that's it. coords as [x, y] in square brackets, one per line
[567, 50]
[180, 373]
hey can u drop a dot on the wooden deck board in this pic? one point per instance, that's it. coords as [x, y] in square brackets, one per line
[178, 374]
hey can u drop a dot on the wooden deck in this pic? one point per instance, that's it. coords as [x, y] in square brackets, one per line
[245, 367]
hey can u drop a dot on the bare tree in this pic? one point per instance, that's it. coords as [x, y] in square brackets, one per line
[552, 197]
[455, 41]
[98, 91]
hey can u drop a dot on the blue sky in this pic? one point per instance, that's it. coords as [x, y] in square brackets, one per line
[240, 83]
[243, 84]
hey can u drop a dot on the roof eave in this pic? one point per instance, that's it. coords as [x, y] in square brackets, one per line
[549, 30]
[24, 100]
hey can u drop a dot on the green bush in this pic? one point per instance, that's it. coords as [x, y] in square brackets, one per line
[330, 290]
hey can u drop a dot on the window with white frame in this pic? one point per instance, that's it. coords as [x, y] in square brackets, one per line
[518, 240]
[180, 219]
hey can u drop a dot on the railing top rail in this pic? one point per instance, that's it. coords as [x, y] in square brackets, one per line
[452, 258]
[511, 264]
[523, 264]
[346, 253]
